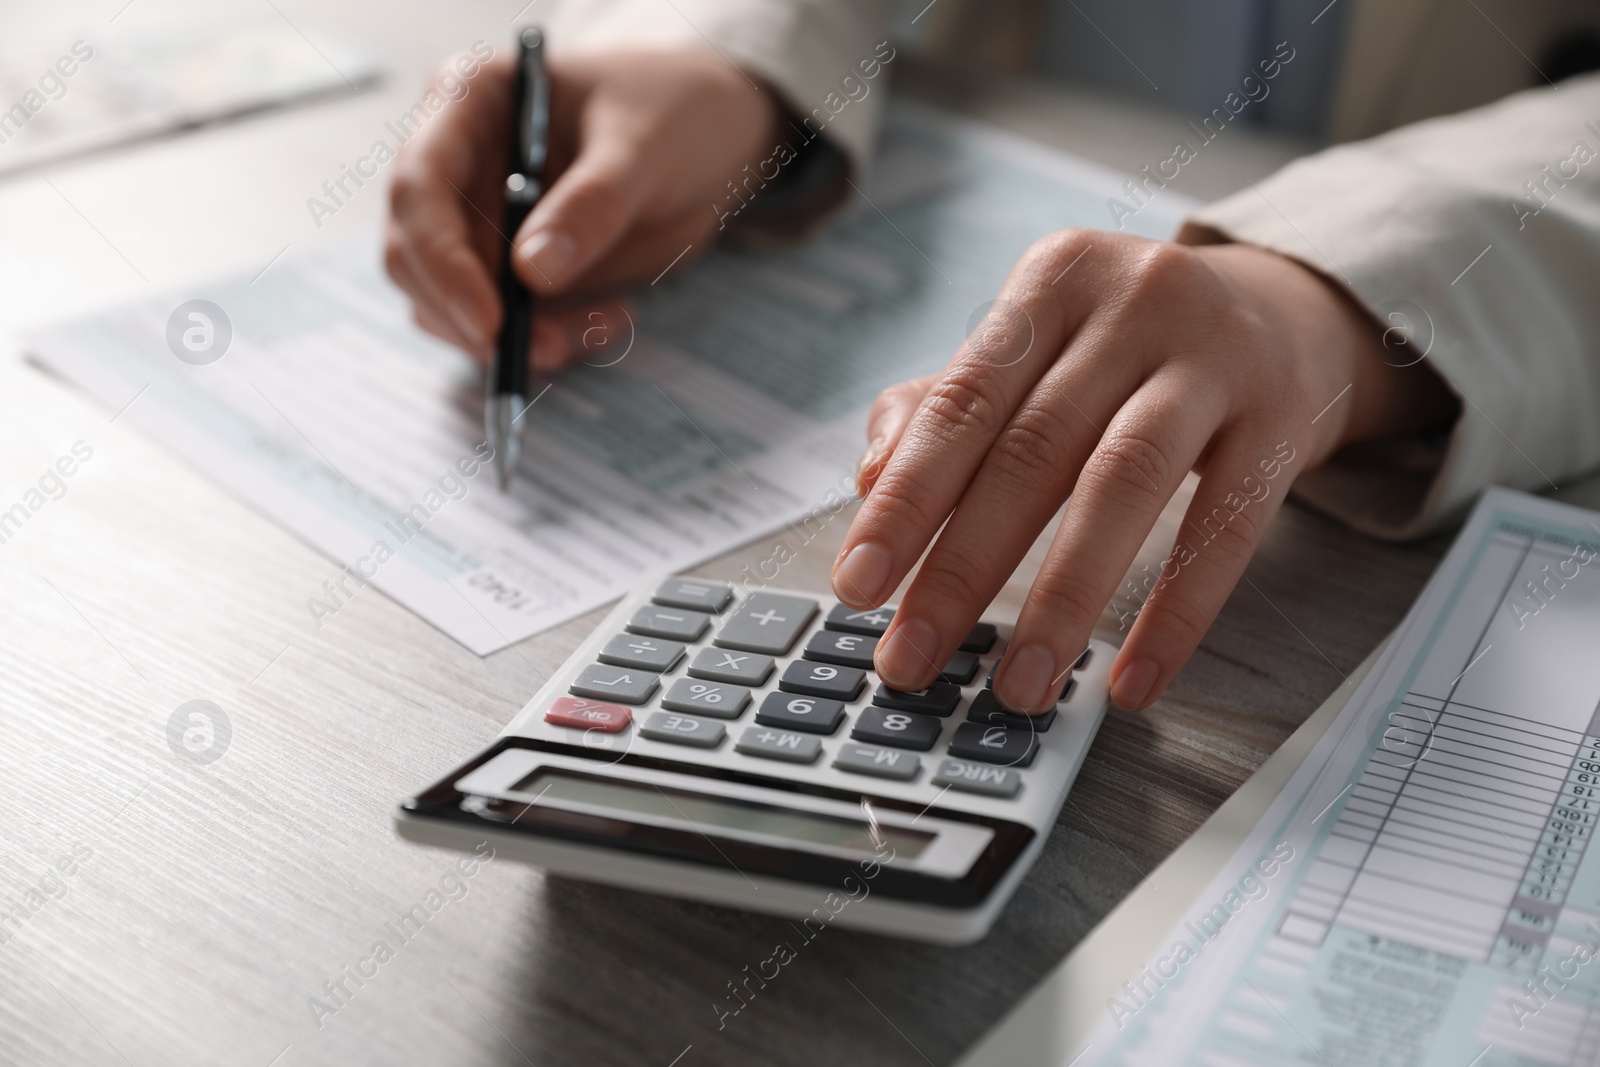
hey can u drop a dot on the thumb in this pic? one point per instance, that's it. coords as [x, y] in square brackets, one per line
[581, 219]
[886, 424]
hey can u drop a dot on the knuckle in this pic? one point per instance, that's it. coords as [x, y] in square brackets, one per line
[1066, 598]
[1129, 462]
[894, 504]
[1033, 447]
[963, 401]
[1055, 250]
[1163, 269]
[944, 583]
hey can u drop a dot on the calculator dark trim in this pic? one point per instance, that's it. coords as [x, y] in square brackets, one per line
[442, 801]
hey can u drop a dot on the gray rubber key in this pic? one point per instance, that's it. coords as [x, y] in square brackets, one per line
[813, 715]
[847, 650]
[881, 762]
[683, 730]
[898, 729]
[779, 744]
[822, 680]
[717, 699]
[674, 624]
[994, 744]
[646, 653]
[871, 622]
[978, 778]
[621, 684]
[766, 622]
[697, 594]
[738, 668]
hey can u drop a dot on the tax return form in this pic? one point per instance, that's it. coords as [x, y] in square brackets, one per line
[1421, 891]
[734, 406]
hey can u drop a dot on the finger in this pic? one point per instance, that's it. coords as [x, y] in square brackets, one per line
[650, 254]
[585, 214]
[600, 334]
[442, 181]
[423, 312]
[1150, 446]
[1231, 510]
[886, 423]
[952, 429]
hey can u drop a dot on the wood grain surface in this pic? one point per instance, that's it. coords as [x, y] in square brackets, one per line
[156, 911]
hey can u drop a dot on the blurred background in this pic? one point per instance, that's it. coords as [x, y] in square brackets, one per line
[1360, 66]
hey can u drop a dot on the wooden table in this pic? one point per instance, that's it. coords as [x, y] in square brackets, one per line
[206, 905]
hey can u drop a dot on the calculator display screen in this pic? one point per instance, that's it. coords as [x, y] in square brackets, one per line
[701, 810]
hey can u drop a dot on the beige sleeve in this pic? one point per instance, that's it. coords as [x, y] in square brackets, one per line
[803, 49]
[1482, 232]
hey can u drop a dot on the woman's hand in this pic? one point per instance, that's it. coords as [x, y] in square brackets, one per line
[643, 144]
[1110, 367]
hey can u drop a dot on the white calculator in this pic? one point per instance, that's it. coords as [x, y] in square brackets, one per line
[736, 747]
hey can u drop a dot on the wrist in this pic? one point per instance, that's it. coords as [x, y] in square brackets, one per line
[1373, 390]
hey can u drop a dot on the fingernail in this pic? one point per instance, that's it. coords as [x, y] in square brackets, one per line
[466, 324]
[1130, 690]
[859, 576]
[550, 253]
[906, 655]
[1024, 683]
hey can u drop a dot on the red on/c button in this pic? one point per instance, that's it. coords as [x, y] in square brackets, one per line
[588, 715]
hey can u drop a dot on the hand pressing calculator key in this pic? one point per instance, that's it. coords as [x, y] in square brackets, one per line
[738, 748]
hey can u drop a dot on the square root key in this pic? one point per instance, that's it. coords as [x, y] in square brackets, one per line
[623, 685]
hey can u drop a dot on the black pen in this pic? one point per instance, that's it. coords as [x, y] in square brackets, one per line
[530, 137]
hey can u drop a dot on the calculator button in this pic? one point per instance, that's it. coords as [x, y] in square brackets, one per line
[588, 715]
[822, 680]
[994, 744]
[739, 668]
[939, 699]
[1083, 659]
[981, 639]
[814, 715]
[986, 709]
[777, 744]
[674, 624]
[614, 683]
[847, 650]
[882, 762]
[872, 623]
[978, 778]
[694, 594]
[683, 730]
[766, 622]
[1066, 690]
[706, 698]
[961, 668]
[902, 729]
[646, 653]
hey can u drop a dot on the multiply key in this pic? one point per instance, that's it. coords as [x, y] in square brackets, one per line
[766, 622]
[736, 668]
[847, 650]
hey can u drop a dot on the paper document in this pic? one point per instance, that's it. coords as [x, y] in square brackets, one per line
[1422, 891]
[737, 406]
[119, 82]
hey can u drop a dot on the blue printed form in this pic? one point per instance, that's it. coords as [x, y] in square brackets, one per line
[1426, 890]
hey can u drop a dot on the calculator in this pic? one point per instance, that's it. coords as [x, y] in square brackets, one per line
[735, 746]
